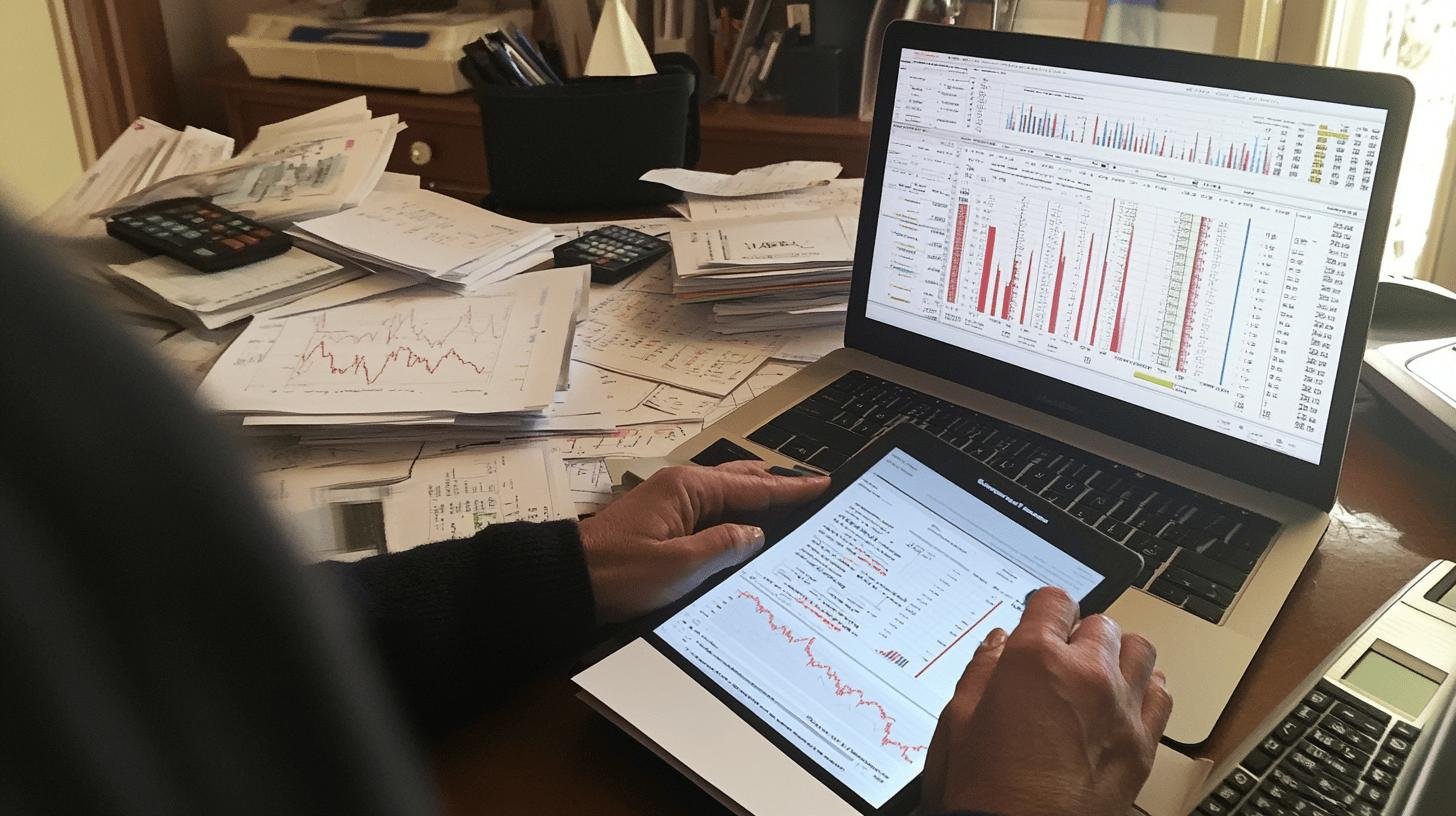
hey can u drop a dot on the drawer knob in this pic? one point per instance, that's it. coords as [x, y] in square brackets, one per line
[421, 153]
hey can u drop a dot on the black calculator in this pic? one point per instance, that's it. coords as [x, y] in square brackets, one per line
[198, 233]
[613, 252]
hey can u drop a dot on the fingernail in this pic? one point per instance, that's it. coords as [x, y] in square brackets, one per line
[1160, 678]
[995, 639]
[752, 537]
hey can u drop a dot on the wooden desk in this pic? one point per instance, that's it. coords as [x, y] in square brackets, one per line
[545, 752]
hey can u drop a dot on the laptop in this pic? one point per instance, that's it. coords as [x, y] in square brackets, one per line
[1137, 282]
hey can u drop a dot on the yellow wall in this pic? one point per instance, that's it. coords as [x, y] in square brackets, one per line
[39, 155]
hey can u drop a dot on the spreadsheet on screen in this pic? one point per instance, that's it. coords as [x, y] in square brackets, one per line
[1185, 248]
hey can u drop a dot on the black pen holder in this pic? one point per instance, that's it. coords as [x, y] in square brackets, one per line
[584, 144]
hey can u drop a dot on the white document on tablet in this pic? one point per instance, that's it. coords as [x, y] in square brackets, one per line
[839, 645]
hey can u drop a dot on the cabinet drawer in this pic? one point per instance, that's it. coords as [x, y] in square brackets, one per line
[447, 156]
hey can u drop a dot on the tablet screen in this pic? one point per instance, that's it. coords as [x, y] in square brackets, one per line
[848, 635]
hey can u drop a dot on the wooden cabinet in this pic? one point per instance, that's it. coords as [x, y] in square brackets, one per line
[444, 144]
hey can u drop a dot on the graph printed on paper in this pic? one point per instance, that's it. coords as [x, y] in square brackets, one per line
[438, 353]
[1126, 247]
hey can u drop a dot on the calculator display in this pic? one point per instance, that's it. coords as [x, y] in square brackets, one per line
[1393, 684]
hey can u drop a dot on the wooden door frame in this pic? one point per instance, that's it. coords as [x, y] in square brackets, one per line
[117, 66]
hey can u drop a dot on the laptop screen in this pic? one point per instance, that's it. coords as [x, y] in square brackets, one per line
[1184, 248]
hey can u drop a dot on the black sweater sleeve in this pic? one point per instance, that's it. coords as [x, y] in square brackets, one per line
[457, 620]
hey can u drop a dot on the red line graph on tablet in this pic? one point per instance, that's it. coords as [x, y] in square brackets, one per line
[841, 688]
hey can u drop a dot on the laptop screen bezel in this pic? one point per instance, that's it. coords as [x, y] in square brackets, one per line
[1247, 462]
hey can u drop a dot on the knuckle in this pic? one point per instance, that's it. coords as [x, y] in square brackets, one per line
[1135, 641]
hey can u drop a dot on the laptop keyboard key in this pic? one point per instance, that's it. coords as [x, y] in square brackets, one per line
[770, 436]
[828, 459]
[801, 448]
[1169, 591]
[1211, 612]
[1206, 567]
[1199, 586]
[1114, 529]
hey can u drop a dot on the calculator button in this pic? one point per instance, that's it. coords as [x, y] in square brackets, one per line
[1349, 733]
[1258, 761]
[202, 252]
[1318, 699]
[248, 239]
[1405, 731]
[1305, 713]
[1375, 796]
[1241, 780]
[153, 218]
[1389, 762]
[232, 243]
[192, 235]
[1359, 719]
[1227, 795]
[1376, 776]
[261, 232]
[1398, 746]
[1289, 731]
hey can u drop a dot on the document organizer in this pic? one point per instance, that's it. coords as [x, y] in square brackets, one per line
[584, 144]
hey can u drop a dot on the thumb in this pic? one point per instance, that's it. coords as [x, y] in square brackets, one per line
[719, 547]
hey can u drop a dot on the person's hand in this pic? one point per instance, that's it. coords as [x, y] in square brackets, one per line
[1059, 718]
[666, 535]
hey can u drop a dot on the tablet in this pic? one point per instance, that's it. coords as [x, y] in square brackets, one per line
[840, 643]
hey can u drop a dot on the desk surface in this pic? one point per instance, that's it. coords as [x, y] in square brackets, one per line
[544, 752]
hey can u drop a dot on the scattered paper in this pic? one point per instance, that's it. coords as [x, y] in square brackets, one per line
[590, 483]
[191, 353]
[767, 377]
[335, 511]
[219, 298]
[772, 178]
[195, 150]
[378, 283]
[808, 345]
[839, 195]
[640, 440]
[121, 170]
[487, 353]
[657, 338]
[427, 235]
[459, 494]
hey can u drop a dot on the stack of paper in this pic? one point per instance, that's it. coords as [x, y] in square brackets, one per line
[780, 273]
[145, 153]
[404, 362]
[217, 299]
[307, 166]
[430, 237]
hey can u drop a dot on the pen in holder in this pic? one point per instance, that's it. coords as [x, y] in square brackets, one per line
[583, 144]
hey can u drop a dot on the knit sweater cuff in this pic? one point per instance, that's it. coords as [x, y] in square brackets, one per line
[457, 620]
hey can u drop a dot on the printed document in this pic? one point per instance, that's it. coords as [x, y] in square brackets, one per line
[658, 338]
[430, 352]
[458, 494]
[839, 195]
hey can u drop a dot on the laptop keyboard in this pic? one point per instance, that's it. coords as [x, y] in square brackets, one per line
[1197, 551]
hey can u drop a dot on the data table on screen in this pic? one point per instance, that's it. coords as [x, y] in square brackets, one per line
[1186, 248]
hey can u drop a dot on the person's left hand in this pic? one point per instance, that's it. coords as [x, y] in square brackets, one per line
[668, 534]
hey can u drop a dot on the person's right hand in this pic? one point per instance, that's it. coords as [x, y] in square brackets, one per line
[1060, 718]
